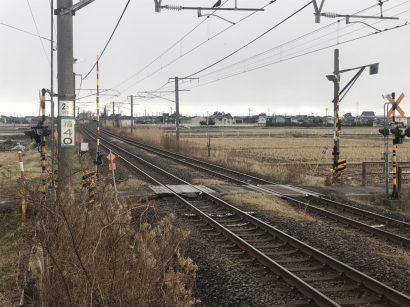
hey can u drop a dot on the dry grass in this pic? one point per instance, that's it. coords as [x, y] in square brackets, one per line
[289, 155]
[131, 184]
[399, 256]
[9, 224]
[208, 182]
[269, 204]
[95, 256]
[9, 165]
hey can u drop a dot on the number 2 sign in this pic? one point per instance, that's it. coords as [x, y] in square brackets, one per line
[66, 108]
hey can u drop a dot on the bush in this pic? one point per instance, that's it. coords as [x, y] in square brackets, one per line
[95, 256]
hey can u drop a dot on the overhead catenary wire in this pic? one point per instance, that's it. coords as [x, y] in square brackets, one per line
[216, 35]
[297, 55]
[252, 41]
[181, 56]
[243, 61]
[166, 50]
[300, 55]
[195, 47]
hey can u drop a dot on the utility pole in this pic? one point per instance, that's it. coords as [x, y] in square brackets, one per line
[132, 114]
[66, 122]
[177, 110]
[338, 95]
[132, 109]
[336, 119]
[53, 154]
[177, 90]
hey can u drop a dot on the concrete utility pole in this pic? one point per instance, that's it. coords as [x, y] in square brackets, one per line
[177, 90]
[53, 153]
[177, 110]
[337, 124]
[66, 122]
[132, 113]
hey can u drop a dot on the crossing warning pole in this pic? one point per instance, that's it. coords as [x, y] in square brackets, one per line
[398, 139]
[43, 154]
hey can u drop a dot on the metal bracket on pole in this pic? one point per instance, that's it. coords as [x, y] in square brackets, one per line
[72, 9]
[318, 10]
[216, 7]
[209, 15]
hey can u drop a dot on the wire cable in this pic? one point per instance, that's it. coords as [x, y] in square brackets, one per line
[252, 41]
[24, 31]
[242, 62]
[198, 45]
[184, 54]
[38, 32]
[109, 40]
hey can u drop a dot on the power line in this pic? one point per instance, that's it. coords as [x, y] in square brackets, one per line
[167, 50]
[242, 62]
[252, 41]
[38, 32]
[109, 40]
[300, 55]
[24, 31]
[162, 54]
[197, 46]
[291, 57]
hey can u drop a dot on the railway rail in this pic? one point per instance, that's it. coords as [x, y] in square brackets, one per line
[369, 222]
[322, 279]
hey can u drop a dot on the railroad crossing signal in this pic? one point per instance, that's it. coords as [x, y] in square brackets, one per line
[395, 106]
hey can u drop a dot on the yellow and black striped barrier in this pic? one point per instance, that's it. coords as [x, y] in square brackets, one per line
[340, 166]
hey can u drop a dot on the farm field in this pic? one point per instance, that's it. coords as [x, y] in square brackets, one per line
[289, 154]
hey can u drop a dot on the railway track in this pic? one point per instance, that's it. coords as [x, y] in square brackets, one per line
[369, 222]
[323, 280]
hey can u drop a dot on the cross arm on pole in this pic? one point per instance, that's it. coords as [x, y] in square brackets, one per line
[72, 9]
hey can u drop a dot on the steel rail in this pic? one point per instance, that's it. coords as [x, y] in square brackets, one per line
[323, 300]
[403, 241]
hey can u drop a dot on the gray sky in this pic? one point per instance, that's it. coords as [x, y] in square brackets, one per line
[284, 85]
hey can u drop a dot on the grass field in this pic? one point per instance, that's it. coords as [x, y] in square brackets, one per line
[288, 154]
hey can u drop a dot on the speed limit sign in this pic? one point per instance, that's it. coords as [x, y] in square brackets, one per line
[67, 132]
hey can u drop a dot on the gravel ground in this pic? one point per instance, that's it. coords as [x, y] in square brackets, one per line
[373, 257]
[222, 279]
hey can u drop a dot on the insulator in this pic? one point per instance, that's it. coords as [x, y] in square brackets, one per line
[173, 7]
[330, 15]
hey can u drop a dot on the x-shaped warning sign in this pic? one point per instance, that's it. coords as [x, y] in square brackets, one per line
[395, 106]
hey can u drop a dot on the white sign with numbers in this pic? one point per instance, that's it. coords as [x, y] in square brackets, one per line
[66, 108]
[67, 132]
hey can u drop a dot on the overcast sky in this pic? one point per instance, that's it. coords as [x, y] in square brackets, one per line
[288, 78]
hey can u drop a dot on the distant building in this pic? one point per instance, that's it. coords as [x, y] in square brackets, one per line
[193, 121]
[367, 118]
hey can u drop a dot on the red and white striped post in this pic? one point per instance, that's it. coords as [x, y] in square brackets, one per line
[23, 190]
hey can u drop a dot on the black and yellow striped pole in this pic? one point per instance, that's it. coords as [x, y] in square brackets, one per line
[395, 192]
[43, 156]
